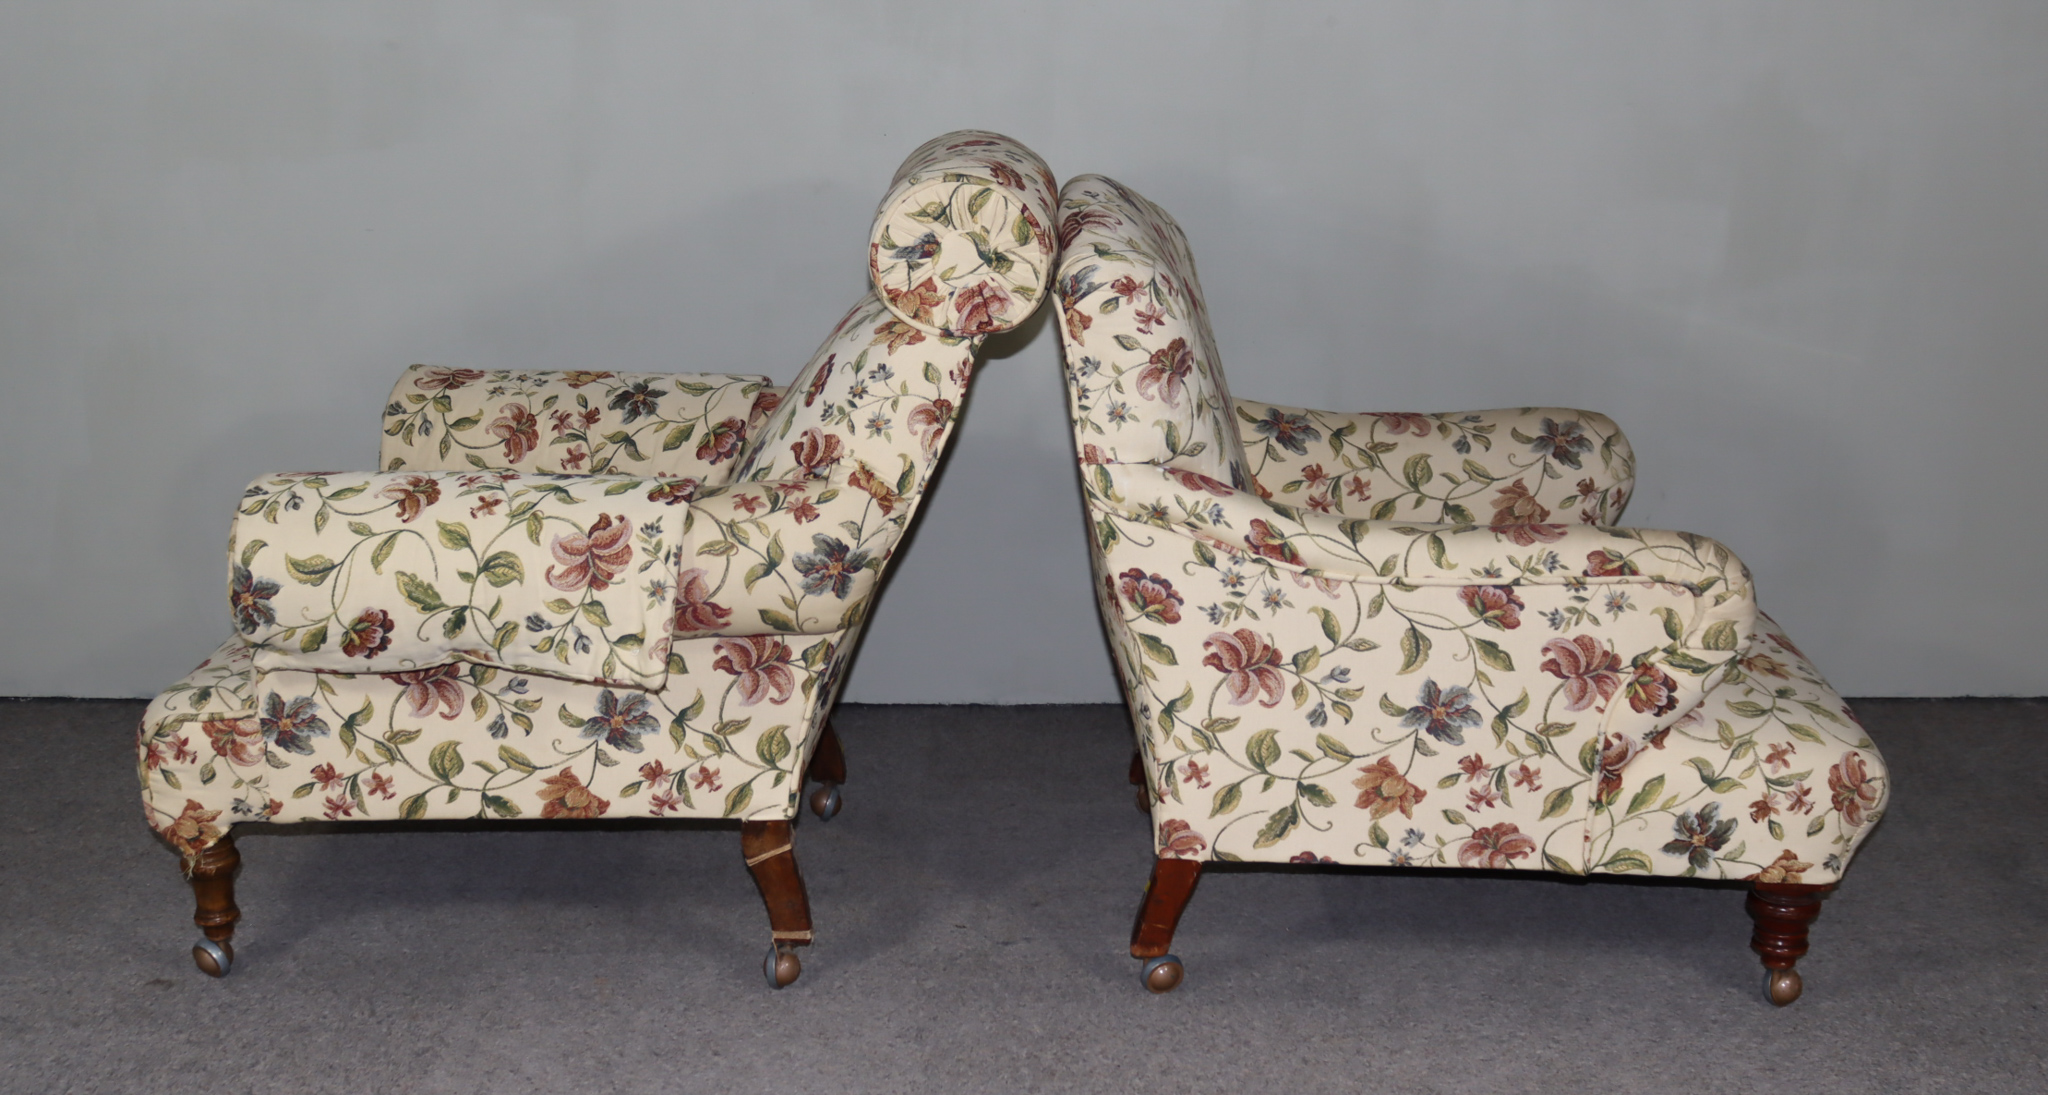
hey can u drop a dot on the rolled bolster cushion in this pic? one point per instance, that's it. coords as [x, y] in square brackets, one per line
[962, 243]
[572, 576]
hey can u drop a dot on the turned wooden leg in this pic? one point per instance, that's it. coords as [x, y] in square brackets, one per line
[773, 862]
[828, 768]
[1166, 897]
[213, 887]
[1782, 913]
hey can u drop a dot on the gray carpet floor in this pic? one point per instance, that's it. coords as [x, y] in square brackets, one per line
[973, 904]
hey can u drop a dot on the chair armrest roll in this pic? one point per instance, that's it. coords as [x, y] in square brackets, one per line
[1536, 464]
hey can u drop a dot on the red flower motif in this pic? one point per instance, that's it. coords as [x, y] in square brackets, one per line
[1178, 840]
[917, 303]
[447, 380]
[1166, 371]
[381, 785]
[1481, 797]
[818, 382]
[368, 636]
[897, 334]
[1589, 669]
[193, 830]
[816, 451]
[577, 378]
[1078, 323]
[1397, 424]
[1774, 757]
[1192, 480]
[1382, 789]
[803, 511]
[1264, 540]
[1651, 691]
[695, 610]
[239, 740]
[1249, 664]
[705, 778]
[1518, 516]
[1195, 774]
[721, 441]
[518, 429]
[1360, 488]
[1496, 606]
[427, 689]
[1615, 753]
[980, 307]
[1495, 846]
[1602, 563]
[563, 795]
[761, 662]
[673, 491]
[326, 776]
[339, 806]
[412, 493]
[1527, 778]
[1151, 595]
[594, 559]
[764, 405]
[1474, 767]
[928, 423]
[1126, 286]
[1853, 793]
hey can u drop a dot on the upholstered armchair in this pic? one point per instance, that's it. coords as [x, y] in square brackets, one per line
[1424, 640]
[593, 594]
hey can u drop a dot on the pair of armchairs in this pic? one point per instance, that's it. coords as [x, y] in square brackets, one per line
[591, 594]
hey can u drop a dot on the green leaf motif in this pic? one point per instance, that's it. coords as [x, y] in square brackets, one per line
[1263, 749]
[311, 570]
[1157, 650]
[1226, 800]
[778, 621]
[1333, 748]
[1414, 650]
[738, 798]
[1557, 802]
[1721, 636]
[502, 568]
[1492, 654]
[446, 761]
[1626, 860]
[383, 552]
[773, 747]
[1643, 798]
[413, 808]
[313, 640]
[1277, 827]
[454, 535]
[420, 592]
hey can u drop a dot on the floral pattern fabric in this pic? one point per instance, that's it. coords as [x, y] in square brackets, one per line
[1470, 671]
[963, 243]
[703, 598]
[1524, 466]
[575, 422]
[388, 571]
[1144, 381]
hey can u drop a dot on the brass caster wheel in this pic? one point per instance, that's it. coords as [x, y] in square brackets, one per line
[213, 959]
[825, 801]
[1162, 975]
[1781, 987]
[782, 967]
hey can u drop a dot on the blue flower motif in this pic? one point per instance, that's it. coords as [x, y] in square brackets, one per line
[829, 569]
[1442, 712]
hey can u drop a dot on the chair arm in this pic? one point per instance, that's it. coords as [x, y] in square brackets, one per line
[361, 572]
[1458, 467]
[572, 423]
[1331, 548]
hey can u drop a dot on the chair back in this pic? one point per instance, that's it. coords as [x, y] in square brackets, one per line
[1144, 381]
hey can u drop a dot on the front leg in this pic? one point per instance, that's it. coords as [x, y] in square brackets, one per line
[1782, 912]
[213, 887]
[1166, 897]
[828, 768]
[770, 857]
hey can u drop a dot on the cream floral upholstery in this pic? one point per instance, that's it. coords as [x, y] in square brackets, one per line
[594, 594]
[1422, 639]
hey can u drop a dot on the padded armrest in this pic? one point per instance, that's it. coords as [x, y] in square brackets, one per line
[1529, 464]
[572, 423]
[357, 572]
[1410, 556]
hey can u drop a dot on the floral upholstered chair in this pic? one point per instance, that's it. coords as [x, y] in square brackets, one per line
[593, 594]
[1422, 639]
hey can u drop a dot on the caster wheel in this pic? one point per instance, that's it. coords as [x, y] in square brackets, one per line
[825, 801]
[213, 959]
[1162, 975]
[782, 968]
[1781, 987]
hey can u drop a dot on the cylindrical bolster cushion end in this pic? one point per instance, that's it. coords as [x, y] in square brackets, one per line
[962, 245]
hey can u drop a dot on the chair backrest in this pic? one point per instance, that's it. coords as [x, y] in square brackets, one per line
[878, 399]
[1144, 381]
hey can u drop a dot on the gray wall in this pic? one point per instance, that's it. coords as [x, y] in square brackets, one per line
[1799, 250]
